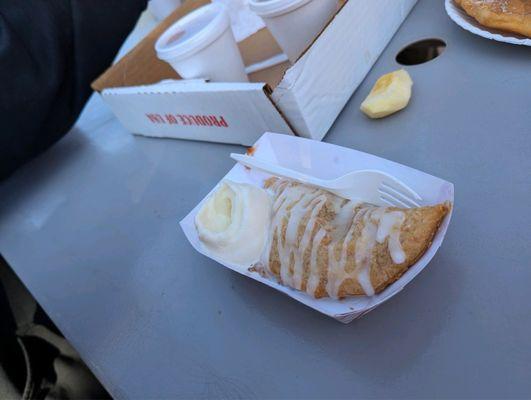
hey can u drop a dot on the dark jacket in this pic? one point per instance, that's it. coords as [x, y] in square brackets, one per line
[50, 51]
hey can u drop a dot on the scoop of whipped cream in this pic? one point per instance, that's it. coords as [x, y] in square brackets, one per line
[233, 222]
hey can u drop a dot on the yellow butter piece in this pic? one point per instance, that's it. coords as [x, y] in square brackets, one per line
[390, 93]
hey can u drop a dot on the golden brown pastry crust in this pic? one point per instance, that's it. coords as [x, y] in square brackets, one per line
[415, 236]
[508, 15]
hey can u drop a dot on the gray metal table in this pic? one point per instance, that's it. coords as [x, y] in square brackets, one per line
[92, 229]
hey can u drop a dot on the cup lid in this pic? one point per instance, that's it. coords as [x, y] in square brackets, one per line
[272, 8]
[193, 32]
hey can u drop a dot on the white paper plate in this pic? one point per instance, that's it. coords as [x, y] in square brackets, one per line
[468, 23]
[327, 161]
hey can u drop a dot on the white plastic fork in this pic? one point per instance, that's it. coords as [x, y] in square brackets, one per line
[367, 185]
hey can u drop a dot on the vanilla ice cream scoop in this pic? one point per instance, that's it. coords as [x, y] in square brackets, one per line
[234, 222]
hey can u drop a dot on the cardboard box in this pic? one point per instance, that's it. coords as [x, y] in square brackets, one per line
[302, 99]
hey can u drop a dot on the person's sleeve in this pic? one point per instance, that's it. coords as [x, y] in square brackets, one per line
[50, 51]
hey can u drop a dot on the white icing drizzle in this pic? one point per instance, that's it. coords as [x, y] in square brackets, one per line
[279, 207]
[314, 276]
[295, 203]
[315, 207]
[296, 214]
[337, 269]
[284, 253]
[389, 226]
[291, 206]
[280, 199]
[363, 255]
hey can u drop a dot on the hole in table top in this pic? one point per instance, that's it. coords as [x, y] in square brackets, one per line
[421, 51]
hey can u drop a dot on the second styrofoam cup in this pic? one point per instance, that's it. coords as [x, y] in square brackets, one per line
[294, 23]
[202, 45]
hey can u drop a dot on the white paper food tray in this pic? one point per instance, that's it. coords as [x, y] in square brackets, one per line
[468, 23]
[328, 161]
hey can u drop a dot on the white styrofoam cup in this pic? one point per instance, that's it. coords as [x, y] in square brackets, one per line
[202, 45]
[294, 23]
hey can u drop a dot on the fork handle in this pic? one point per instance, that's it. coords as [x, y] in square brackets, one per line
[278, 170]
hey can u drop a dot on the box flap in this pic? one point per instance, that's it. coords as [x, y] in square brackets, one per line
[314, 90]
[218, 112]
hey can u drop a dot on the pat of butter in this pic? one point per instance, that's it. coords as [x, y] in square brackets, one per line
[390, 93]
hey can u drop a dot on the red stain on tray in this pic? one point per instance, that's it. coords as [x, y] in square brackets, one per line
[250, 150]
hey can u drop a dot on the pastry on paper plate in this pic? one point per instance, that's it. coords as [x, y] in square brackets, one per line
[508, 15]
[312, 240]
[328, 246]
